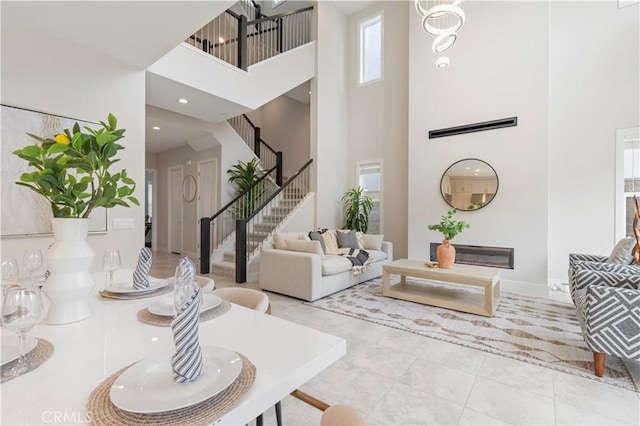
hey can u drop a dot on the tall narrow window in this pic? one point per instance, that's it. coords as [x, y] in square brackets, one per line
[370, 49]
[627, 179]
[370, 179]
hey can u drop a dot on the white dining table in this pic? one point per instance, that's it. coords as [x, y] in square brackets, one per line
[286, 356]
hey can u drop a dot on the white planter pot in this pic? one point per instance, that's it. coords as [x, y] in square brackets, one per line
[69, 286]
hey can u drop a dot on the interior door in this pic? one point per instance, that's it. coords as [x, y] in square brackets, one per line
[208, 193]
[175, 210]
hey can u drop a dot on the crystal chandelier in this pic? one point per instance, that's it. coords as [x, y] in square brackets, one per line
[442, 19]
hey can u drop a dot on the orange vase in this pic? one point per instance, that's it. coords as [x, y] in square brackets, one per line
[446, 255]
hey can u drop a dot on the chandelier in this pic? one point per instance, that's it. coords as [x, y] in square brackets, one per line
[442, 19]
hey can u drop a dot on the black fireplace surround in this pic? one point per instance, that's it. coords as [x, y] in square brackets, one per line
[495, 257]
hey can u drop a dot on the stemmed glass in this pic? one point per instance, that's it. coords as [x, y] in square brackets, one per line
[21, 310]
[110, 263]
[32, 261]
[8, 273]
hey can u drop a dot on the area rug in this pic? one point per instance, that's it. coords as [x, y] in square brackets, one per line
[531, 329]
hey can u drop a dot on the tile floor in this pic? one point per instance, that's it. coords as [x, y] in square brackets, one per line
[397, 378]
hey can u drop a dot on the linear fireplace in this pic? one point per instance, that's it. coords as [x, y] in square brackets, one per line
[495, 257]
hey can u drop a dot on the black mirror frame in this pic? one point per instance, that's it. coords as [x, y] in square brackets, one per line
[479, 208]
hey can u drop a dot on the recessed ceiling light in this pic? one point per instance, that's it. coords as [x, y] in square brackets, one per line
[221, 39]
[183, 101]
[477, 170]
[156, 128]
[442, 62]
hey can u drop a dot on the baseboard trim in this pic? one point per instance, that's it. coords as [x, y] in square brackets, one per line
[523, 287]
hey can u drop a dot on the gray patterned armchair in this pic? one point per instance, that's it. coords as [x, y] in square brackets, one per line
[607, 299]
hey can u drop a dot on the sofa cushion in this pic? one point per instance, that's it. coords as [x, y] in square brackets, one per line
[376, 255]
[622, 251]
[333, 264]
[327, 238]
[279, 238]
[347, 239]
[304, 246]
[372, 241]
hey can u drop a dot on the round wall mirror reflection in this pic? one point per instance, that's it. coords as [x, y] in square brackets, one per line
[469, 184]
[189, 186]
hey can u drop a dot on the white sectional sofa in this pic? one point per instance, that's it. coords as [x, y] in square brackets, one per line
[313, 275]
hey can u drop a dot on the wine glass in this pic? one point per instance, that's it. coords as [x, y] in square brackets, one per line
[8, 273]
[110, 263]
[21, 310]
[32, 260]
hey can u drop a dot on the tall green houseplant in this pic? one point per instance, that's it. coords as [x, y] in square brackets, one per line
[357, 207]
[243, 176]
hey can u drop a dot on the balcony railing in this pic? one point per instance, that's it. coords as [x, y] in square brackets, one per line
[234, 39]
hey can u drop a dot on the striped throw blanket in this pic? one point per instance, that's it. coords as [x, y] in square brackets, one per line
[359, 259]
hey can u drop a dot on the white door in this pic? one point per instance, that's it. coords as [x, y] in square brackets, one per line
[207, 193]
[175, 210]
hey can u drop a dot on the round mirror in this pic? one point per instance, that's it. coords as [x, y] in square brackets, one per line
[189, 186]
[469, 184]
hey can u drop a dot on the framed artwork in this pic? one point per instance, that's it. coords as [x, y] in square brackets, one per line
[24, 212]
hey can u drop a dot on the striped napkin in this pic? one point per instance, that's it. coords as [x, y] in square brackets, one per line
[141, 274]
[187, 361]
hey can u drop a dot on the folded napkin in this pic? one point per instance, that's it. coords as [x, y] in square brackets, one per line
[141, 274]
[187, 361]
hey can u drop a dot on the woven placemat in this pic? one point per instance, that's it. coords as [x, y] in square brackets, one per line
[147, 317]
[42, 352]
[103, 412]
[134, 296]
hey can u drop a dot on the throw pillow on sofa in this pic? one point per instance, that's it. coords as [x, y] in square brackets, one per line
[305, 246]
[622, 252]
[347, 239]
[327, 239]
[372, 241]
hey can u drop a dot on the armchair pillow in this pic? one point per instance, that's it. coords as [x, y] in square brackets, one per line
[621, 253]
[372, 242]
[347, 239]
[304, 246]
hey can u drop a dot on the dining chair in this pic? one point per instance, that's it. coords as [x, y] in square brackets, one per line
[258, 301]
[332, 415]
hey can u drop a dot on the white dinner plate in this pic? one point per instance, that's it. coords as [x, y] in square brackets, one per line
[10, 349]
[126, 287]
[148, 386]
[165, 307]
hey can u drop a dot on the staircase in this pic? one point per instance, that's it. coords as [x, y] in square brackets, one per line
[261, 230]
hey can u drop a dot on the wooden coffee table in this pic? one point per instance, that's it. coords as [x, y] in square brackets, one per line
[434, 293]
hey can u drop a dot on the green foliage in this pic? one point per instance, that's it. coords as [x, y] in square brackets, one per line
[72, 170]
[449, 227]
[243, 176]
[357, 207]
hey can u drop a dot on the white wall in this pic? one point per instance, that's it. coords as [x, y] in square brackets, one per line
[329, 111]
[499, 68]
[594, 90]
[284, 125]
[46, 78]
[176, 157]
[378, 117]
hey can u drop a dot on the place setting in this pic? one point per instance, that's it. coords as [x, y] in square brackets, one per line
[161, 312]
[195, 384]
[125, 284]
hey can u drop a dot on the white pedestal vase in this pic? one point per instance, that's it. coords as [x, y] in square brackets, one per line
[69, 286]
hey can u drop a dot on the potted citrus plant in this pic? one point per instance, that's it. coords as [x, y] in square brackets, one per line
[449, 228]
[71, 170]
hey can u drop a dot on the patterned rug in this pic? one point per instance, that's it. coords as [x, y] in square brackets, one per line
[532, 329]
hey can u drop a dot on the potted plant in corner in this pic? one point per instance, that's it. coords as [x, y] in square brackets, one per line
[357, 207]
[71, 171]
[449, 227]
[244, 176]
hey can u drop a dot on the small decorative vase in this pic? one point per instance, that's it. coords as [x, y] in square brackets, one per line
[69, 259]
[446, 255]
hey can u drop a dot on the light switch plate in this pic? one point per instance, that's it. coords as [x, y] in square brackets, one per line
[123, 223]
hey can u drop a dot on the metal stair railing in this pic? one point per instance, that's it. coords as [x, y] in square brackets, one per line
[216, 229]
[240, 42]
[297, 186]
[250, 134]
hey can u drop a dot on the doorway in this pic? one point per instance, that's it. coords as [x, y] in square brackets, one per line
[175, 209]
[150, 208]
[207, 194]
